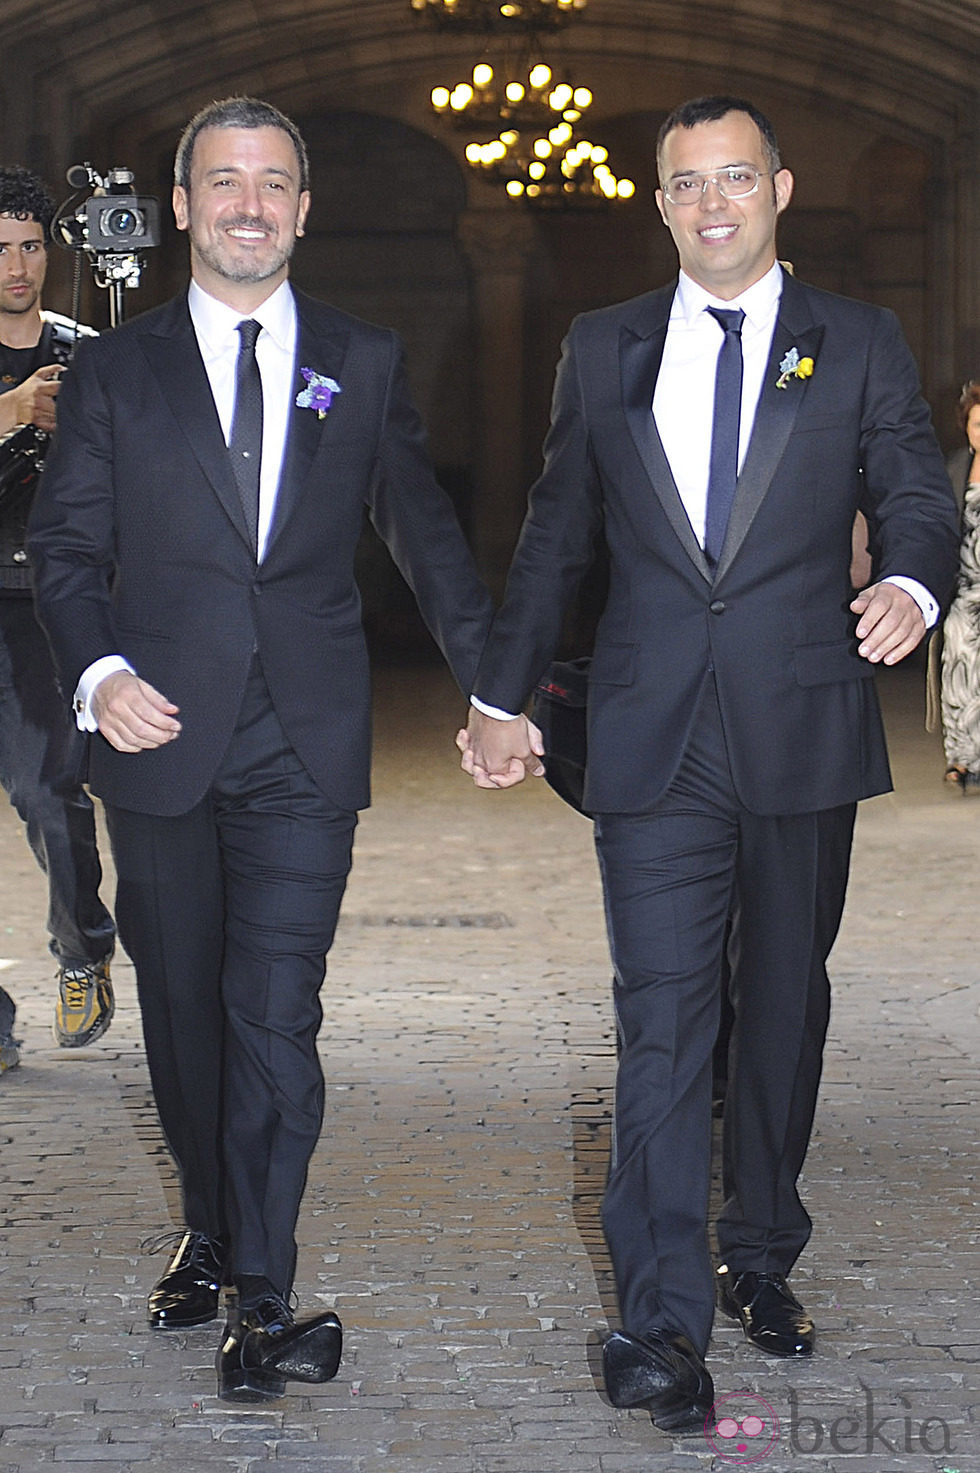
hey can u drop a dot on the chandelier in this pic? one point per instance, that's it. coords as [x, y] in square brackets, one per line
[559, 169]
[529, 99]
[530, 139]
[500, 15]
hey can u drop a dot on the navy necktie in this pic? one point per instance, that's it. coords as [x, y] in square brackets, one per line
[723, 473]
[245, 445]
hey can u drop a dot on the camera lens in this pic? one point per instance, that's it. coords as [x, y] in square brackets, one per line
[120, 221]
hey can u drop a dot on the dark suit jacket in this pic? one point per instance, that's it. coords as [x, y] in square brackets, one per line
[139, 547]
[958, 467]
[798, 703]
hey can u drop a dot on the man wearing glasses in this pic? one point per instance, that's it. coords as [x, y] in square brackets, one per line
[723, 431]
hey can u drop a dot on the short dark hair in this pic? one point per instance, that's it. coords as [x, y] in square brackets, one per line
[237, 112]
[710, 110]
[26, 197]
[969, 397]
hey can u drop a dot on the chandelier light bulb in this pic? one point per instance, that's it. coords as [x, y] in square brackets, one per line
[542, 148]
[514, 92]
[561, 97]
[440, 98]
[626, 189]
[482, 74]
[540, 76]
[515, 188]
[582, 97]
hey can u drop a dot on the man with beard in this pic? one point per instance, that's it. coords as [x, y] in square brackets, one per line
[39, 746]
[194, 541]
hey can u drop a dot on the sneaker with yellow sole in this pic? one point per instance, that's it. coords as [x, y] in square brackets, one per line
[9, 1053]
[85, 1005]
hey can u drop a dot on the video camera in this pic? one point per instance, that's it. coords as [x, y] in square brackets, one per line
[113, 227]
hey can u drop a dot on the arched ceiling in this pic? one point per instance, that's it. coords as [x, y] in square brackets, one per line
[107, 70]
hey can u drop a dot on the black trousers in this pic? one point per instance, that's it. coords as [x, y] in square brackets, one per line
[228, 912]
[41, 757]
[669, 878]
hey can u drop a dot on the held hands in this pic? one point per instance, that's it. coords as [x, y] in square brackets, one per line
[499, 754]
[32, 402]
[132, 716]
[890, 624]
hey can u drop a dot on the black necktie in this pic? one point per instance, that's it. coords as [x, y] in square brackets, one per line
[245, 445]
[724, 430]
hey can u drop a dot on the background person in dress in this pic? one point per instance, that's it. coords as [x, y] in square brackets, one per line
[960, 686]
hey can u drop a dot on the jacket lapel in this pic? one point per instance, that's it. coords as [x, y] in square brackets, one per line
[775, 415]
[323, 351]
[641, 350]
[174, 357]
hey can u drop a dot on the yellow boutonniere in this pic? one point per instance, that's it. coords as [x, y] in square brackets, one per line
[793, 366]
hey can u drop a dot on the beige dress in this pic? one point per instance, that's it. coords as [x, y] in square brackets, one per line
[961, 649]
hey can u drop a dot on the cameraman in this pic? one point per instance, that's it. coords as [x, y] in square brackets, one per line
[40, 754]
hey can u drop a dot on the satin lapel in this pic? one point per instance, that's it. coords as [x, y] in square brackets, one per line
[175, 359]
[640, 355]
[774, 417]
[324, 352]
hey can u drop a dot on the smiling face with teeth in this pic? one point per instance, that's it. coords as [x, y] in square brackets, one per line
[243, 212]
[724, 244]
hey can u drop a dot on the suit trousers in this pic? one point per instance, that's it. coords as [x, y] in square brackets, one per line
[42, 754]
[228, 912]
[670, 879]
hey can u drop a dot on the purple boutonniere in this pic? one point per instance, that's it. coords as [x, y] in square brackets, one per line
[318, 393]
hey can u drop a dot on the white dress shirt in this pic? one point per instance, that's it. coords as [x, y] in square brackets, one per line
[684, 398]
[684, 395]
[216, 328]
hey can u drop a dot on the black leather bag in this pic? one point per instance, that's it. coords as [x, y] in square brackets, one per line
[21, 459]
[558, 707]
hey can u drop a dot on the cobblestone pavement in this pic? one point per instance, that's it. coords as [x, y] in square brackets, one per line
[452, 1210]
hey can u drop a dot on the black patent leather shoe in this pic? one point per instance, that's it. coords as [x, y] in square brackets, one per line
[189, 1291]
[662, 1372]
[771, 1315]
[264, 1347]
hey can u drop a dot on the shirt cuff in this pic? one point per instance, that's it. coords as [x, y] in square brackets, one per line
[81, 701]
[927, 604]
[493, 711]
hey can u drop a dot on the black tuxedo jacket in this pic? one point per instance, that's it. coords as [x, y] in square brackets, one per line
[139, 547]
[958, 467]
[799, 706]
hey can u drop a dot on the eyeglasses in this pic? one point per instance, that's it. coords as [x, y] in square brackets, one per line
[736, 182]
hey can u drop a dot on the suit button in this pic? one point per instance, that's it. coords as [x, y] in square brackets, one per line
[716, 606]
